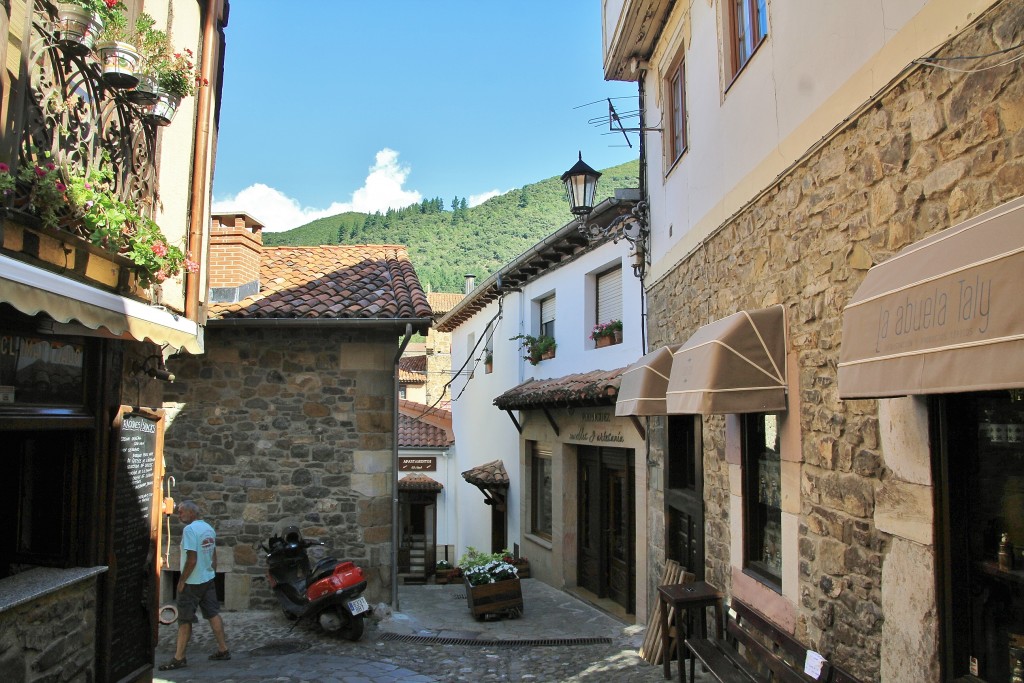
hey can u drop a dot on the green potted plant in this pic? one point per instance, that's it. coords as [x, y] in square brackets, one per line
[443, 571]
[78, 23]
[605, 334]
[492, 584]
[175, 78]
[153, 46]
[117, 51]
[488, 361]
[536, 348]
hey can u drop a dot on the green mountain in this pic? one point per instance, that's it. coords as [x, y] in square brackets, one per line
[448, 240]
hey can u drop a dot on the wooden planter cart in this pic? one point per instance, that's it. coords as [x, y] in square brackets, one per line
[502, 598]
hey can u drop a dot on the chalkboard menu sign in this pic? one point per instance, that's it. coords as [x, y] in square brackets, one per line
[139, 443]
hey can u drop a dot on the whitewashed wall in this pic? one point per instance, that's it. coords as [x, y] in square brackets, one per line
[483, 432]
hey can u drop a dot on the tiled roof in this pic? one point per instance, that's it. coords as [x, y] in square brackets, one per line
[375, 282]
[412, 369]
[418, 482]
[562, 246]
[487, 475]
[442, 302]
[597, 387]
[421, 426]
[413, 363]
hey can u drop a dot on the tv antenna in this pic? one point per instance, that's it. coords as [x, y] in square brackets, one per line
[614, 120]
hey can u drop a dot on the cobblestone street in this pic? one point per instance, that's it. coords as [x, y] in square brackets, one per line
[432, 638]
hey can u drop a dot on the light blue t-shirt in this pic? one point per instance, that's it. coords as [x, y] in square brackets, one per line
[200, 537]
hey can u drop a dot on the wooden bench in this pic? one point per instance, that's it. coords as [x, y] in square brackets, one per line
[762, 642]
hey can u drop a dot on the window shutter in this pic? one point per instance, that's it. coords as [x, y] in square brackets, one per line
[609, 296]
[547, 310]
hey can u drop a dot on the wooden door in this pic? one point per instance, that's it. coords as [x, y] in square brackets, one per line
[684, 494]
[606, 558]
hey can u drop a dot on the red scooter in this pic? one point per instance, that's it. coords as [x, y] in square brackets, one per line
[328, 592]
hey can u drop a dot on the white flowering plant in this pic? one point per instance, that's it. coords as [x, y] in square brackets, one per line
[480, 568]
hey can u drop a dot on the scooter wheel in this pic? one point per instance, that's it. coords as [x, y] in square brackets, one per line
[353, 630]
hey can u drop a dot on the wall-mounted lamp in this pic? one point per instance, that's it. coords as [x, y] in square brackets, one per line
[581, 189]
[154, 367]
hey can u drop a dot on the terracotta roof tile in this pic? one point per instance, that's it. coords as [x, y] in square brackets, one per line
[333, 282]
[442, 302]
[421, 426]
[413, 363]
[418, 482]
[586, 388]
[489, 474]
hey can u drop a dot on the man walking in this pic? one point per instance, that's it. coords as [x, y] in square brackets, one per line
[195, 587]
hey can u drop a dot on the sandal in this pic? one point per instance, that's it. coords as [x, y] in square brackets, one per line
[174, 664]
[218, 655]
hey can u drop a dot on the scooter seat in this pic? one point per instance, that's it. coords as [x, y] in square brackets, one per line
[323, 568]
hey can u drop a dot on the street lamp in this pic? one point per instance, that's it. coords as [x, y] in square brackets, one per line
[581, 190]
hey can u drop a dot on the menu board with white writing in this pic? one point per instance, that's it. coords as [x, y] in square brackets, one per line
[133, 545]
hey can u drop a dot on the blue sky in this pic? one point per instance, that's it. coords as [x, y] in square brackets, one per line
[338, 105]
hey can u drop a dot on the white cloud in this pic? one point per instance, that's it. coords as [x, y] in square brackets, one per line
[381, 190]
[478, 199]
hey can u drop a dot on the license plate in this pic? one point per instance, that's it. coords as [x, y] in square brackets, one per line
[358, 606]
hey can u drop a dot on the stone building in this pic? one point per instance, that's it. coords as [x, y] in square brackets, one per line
[291, 413]
[87, 313]
[835, 197]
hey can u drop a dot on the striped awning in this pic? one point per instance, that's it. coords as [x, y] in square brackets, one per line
[943, 315]
[644, 383]
[733, 365]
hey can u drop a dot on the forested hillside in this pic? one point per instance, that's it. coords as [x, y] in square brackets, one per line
[448, 239]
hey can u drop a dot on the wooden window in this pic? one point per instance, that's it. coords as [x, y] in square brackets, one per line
[609, 295]
[684, 493]
[748, 26]
[762, 498]
[540, 493]
[676, 89]
[547, 317]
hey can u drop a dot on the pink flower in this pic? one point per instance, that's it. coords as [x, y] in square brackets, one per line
[161, 275]
[159, 248]
[111, 4]
[51, 166]
[61, 187]
[4, 168]
[191, 266]
[40, 171]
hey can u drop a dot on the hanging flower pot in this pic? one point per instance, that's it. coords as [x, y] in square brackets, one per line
[161, 112]
[119, 61]
[77, 28]
[146, 92]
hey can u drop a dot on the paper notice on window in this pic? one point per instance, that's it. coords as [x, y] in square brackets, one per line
[813, 664]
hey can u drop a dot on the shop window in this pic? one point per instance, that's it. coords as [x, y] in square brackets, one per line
[684, 504]
[762, 498]
[540, 493]
[675, 88]
[40, 469]
[980, 500]
[747, 24]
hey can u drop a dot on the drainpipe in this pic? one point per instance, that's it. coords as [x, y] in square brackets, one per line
[394, 470]
[197, 210]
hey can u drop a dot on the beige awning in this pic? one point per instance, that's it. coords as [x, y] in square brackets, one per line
[944, 315]
[33, 290]
[644, 383]
[733, 365]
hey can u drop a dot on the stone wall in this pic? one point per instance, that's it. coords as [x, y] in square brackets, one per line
[36, 646]
[933, 151]
[297, 423]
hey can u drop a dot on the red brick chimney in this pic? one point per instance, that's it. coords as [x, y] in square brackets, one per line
[236, 240]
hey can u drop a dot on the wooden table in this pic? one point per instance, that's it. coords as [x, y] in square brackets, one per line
[691, 597]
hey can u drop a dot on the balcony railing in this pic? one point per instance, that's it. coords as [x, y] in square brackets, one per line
[68, 116]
